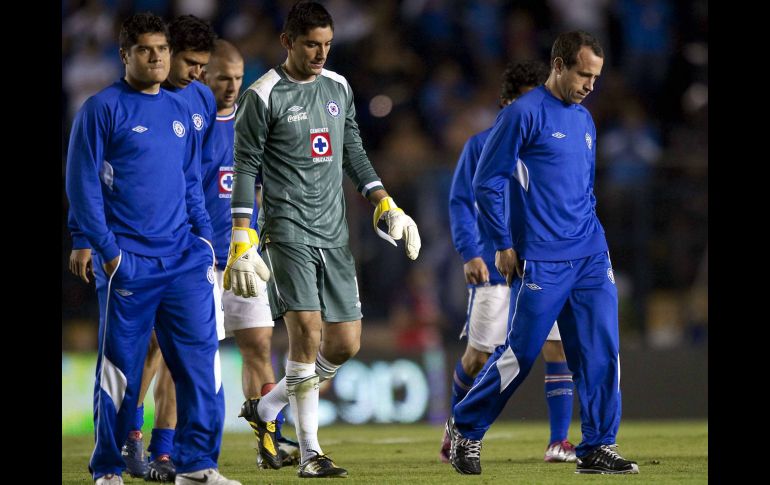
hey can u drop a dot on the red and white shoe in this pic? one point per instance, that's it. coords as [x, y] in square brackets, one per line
[446, 445]
[560, 452]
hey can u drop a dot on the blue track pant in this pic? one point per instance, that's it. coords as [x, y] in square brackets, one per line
[175, 294]
[582, 296]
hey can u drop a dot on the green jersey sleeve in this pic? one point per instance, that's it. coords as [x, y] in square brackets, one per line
[354, 160]
[251, 132]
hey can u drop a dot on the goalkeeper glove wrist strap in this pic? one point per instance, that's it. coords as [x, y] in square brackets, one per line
[384, 205]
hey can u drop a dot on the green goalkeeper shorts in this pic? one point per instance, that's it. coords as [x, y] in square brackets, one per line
[306, 278]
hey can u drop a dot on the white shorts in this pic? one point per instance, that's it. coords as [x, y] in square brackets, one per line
[486, 324]
[554, 333]
[487, 319]
[238, 313]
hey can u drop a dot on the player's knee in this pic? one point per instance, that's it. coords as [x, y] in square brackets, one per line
[342, 351]
[477, 363]
[347, 351]
[256, 351]
[473, 361]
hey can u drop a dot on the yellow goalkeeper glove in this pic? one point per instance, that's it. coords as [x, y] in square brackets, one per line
[244, 264]
[400, 226]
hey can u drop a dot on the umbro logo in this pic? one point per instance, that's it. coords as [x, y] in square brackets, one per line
[533, 286]
[295, 108]
[122, 292]
[558, 134]
[139, 129]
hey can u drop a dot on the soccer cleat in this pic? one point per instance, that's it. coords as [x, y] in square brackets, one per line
[289, 451]
[446, 445]
[209, 476]
[605, 460]
[464, 454]
[133, 455]
[161, 469]
[109, 479]
[321, 466]
[560, 451]
[265, 432]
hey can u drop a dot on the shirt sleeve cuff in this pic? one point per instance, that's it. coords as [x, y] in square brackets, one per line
[503, 244]
[206, 233]
[79, 241]
[110, 252]
[469, 254]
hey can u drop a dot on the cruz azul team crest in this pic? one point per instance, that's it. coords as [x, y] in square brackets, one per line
[197, 120]
[225, 182]
[178, 128]
[320, 145]
[333, 108]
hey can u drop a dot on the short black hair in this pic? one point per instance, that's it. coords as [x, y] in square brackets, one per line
[568, 44]
[138, 24]
[521, 74]
[305, 16]
[189, 33]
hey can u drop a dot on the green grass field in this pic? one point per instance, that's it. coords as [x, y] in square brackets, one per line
[667, 452]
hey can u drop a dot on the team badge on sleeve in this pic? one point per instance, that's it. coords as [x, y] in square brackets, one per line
[333, 108]
[320, 145]
[225, 182]
[178, 128]
[197, 121]
[589, 141]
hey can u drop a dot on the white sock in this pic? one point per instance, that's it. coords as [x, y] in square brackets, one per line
[325, 369]
[302, 388]
[271, 403]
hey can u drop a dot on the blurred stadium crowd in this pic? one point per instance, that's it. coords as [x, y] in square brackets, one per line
[426, 76]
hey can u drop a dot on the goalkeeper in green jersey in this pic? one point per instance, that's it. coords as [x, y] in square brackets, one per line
[296, 127]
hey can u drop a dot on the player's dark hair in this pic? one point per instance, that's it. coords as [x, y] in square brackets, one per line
[138, 24]
[568, 44]
[305, 16]
[521, 74]
[189, 33]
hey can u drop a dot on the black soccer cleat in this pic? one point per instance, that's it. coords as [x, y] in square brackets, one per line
[133, 455]
[267, 448]
[161, 469]
[464, 454]
[321, 466]
[605, 460]
[289, 451]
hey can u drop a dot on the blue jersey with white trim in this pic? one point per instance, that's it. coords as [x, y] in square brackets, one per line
[218, 185]
[204, 108]
[546, 149]
[470, 238]
[133, 173]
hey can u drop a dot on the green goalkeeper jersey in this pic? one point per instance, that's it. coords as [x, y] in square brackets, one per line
[299, 136]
